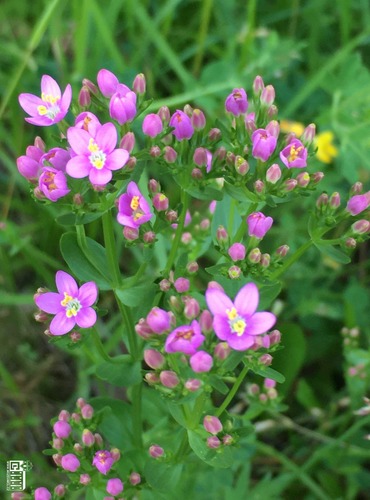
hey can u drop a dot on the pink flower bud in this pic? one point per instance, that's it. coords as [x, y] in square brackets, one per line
[169, 379]
[131, 164]
[192, 308]
[268, 95]
[57, 457]
[192, 267]
[237, 251]
[183, 129]
[254, 255]
[143, 330]
[58, 443]
[214, 134]
[200, 157]
[309, 134]
[154, 186]
[272, 111]
[212, 424]
[87, 411]
[84, 98]
[115, 454]
[361, 226]
[273, 174]
[155, 451]
[201, 361]
[114, 486]
[88, 437]
[135, 478]
[160, 202]
[139, 84]
[334, 201]
[234, 272]
[269, 382]
[149, 237]
[128, 142]
[273, 128]
[259, 186]
[85, 479]
[220, 153]
[222, 350]
[258, 224]
[153, 358]
[230, 159]
[357, 188]
[182, 285]
[265, 260]
[158, 320]
[130, 233]
[78, 448]
[60, 490]
[193, 384]
[241, 165]
[253, 390]
[151, 378]
[198, 119]
[62, 429]
[258, 85]
[237, 102]
[221, 235]
[275, 337]
[18, 495]
[155, 151]
[322, 200]
[227, 440]
[42, 494]
[188, 110]
[164, 285]
[70, 462]
[266, 359]
[152, 125]
[171, 215]
[290, 184]
[358, 203]
[317, 177]
[206, 321]
[213, 442]
[98, 439]
[303, 179]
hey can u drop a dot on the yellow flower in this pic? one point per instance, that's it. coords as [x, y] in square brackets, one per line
[286, 126]
[326, 149]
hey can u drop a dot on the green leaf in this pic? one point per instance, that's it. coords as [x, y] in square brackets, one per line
[221, 457]
[306, 396]
[218, 384]
[239, 193]
[268, 294]
[177, 413]
[116, 420]
[268, 372]
[92, 269]
[162, 476]
[121, 375]
[233, 360]
[136, 295]
[333, 253]
[71, 219]
[207, 193]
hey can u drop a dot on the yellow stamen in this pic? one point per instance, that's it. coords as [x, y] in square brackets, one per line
[294, 153]
[71, 304]
[42, 110]
[134, 203]
[49, 98]
[93, 147]
[232, 313]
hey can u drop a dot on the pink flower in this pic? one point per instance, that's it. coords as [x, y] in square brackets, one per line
[185, 338]
[62, 429]
[152, 125]
[114, 486]
[53, 184]
[70, 462]
[264, 144]
[133, 209]
[29, 164]
[358, 203]
[237, 251]
[237, 102]
[258, 224]
[183, 129]
[42, 494]
[95, 157]
[51, 107]
[122, 105]
[103, 461]
[158, 320]
[238, 322]
[107, 82]
[70, 305]
[294, 155]
[89, 122]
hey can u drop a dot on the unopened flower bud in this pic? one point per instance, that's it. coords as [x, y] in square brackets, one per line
[237, 251]
[213, 442]
[85, 479]
[152, 378]
[275, 337]
[155, 151]
[130, 233]
[266, 359]
[131, 164]
[241, 165]
[115, 454]
[197, 174]
[41, 317]
[227, 440]
[317, 177]
[267, 95]
[87, 411]
[192, 267]
[139, 84]
[149, 237]
[160, 202]
[155, 451]
[361, 226]
[181, 285]
[135, 478]
[214, 134]
[154, 358]
[128, 142]
[62, 429]
[221, 234]
[357, 188]
[222, 350]
[198, 119]
[164, 285]
[206, 321]
[192, 384]
[334, 201]
[303, 179]
[282, 251]
[192, 308]
[230, 158]
[272, 111]
[254, 255]
[259, 186]
[220, 153]
[64, 415]
[158, 320]
[78, 448]
[234, 272]
[84, 98]
[70, 462]
[290, 184]
[169, 379]
[273, 128]
[58, 443]
[273, 174]
[212, 424]
[201, 361]
[57, 459]
[309, 134]
[88, 437]
[90, 85]
[322, 200]
[75, 417]
[265, 260]
[171, 215]
[258, 85]
[80, 402]
[98, 440]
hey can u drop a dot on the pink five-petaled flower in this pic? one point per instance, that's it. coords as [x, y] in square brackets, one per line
[103, 461]
[70, 305]
[95, 157]
[51, 107]
[133, 209]
[237, 102]
[258, 224]
[53, 183]
[183, 129]
[294, 155]
[237, 322]
[264, 143]
[185, 338]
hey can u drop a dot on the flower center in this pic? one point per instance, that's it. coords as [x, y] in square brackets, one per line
[294, 153]
[97, 157]
[72, 305]
[237, 323]
[187, 334]
[135, 207]
[48, 179]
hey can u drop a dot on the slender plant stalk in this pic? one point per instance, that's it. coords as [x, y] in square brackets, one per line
[290, 261]
[233, 391]
[110, 246]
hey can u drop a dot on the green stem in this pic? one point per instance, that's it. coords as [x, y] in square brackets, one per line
[233, 391]
[183, 448]
[290, 261]
[179, 229]
[129, 326]
[110, 246]
[137, 424]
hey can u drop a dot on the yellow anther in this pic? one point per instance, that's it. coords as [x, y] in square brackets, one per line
[93, 147]
[134, 203]
[232, 313]
[42, 110]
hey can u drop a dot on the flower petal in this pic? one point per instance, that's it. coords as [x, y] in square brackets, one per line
[100, 177]
[217, 301]
[30, 103]
[106, 137]
[246, 300]
[50, 302]
[87, 294]
[117, 159]
[66, 99]
[61, 324]
[107, 82]
[240, 343]
[86, 317]
[79, 140]
[260, 323]
[65, 283]
[222, 328]
[50, 87]
[78, 167]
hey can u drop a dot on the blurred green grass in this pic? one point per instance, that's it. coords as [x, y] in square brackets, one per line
[316, 54]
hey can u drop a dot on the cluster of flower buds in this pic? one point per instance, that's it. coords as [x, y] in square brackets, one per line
[218, 437]
[265, 394]
[79, 452]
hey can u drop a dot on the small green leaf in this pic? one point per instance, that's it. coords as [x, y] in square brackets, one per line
[162, 476]
[121, 375]
[207, 193]
[218, 384]
[268, 372]
[136, 295]
[71, 218]
[333, 253]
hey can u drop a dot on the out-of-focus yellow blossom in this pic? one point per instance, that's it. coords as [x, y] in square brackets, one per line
[286, 126]
[326, 149]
